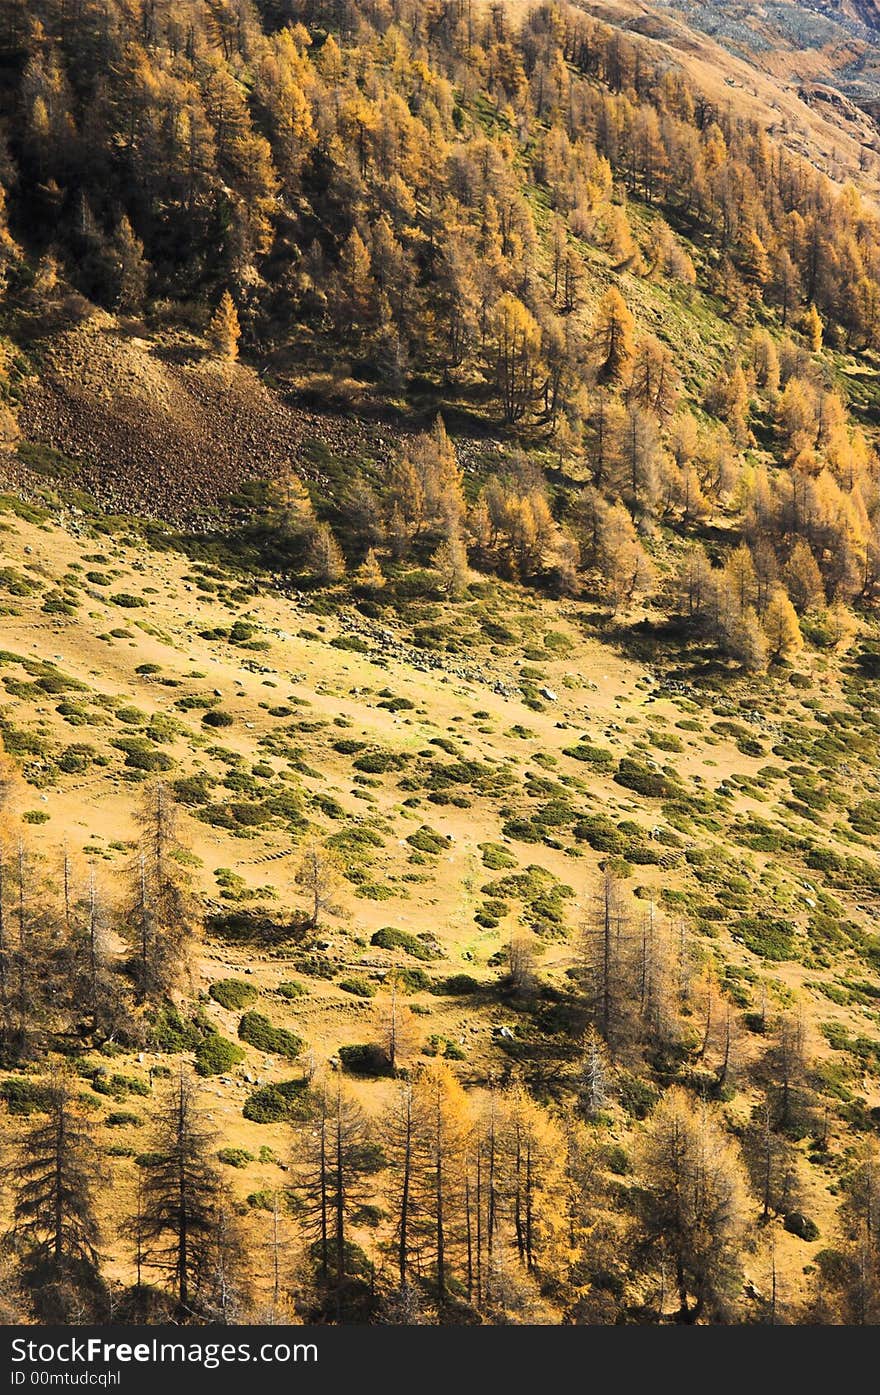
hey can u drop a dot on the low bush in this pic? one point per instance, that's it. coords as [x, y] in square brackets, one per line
[232, 993]
[258, 1031]
[275, 1104]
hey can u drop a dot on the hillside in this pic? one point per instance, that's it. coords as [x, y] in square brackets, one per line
[440, 528]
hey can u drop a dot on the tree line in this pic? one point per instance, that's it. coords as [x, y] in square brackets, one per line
[319, 178]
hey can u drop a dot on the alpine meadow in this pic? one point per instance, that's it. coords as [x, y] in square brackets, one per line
[439, 662]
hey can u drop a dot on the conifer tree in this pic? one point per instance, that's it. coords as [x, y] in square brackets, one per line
[159, 917]
[224, 330]
[612, 338]
[327, 561]
[318, 876]
[781, 627]
[332, 1159]
[694, 1204]
[179, 1207]
[55, 1232]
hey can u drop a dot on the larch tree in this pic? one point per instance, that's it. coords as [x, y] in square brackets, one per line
[516, 349]
[653, 378]
[317, 875]
[451, 563]
[332, 1159]
[178, 1209]
[326, 557]
[803, 580]
[536, 1150]
[369, 576]
[813, 327]
[131, 268]
[693, 1204]
[442, 1108]
[402, 1140]
[852, 1273]
[611, 338]
[398, 1025]
[54, 1171]
[224, 330]
[781, 628]
[160, 913]
[785, 1069]
[606, 965]
[593, 1080]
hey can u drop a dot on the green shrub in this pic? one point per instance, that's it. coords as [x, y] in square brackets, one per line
[496, 857]
[412, 980]
[369, 1060]
[169, 1031]
[798, 1224]
[427, 841]
[638, 1097]
[141, 754]
[232, 993]
[258, 1031]
[216, 718]
[596, 756]
[380, 762]
[275, 1104]
[390, 938]
[235, 1157]
[216, 1054]
[357, 986]
[24, 1096]
[769, 937]
[457, 986]
[291, 989]
[653, 784]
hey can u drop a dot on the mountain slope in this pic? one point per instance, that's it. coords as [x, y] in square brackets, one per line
[439, 588]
